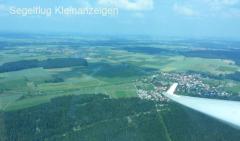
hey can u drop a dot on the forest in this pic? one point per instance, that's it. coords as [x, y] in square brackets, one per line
[98, 117]
[46, 64]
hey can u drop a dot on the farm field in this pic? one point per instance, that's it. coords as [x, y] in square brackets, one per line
[108, 88]
[111, 70]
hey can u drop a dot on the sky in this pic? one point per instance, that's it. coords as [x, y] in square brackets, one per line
[181, 18]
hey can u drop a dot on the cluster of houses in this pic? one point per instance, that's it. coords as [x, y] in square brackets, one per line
[189, 84]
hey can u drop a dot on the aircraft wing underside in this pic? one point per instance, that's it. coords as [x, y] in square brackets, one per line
[223, 110]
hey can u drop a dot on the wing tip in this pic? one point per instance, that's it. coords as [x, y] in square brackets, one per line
[172, 89]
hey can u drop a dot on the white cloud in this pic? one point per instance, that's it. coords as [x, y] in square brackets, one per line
[224, 8]
[85, 3]
[208, 8]
[221, 4]
[136, 5]
[185, 10]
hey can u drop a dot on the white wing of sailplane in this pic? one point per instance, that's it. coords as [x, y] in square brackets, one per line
[223, 110]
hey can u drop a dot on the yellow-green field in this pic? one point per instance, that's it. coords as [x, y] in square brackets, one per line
[112, 72]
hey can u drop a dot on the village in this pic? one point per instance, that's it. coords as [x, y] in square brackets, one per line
[191, 84]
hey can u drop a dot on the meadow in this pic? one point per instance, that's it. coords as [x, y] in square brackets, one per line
[112, 68]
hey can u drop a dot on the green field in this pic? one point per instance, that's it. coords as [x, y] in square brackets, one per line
[110, 71]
